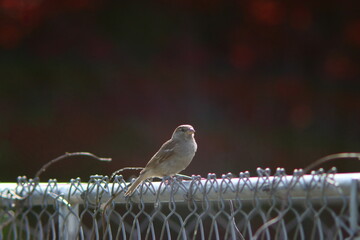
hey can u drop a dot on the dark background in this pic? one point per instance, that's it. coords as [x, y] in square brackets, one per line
[264, 83]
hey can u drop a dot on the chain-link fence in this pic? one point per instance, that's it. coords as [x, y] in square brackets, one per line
[321, 205]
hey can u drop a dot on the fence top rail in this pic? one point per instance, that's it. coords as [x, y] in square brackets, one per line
[318, 186]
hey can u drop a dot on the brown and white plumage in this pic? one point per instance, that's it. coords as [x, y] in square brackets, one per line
[173, 156]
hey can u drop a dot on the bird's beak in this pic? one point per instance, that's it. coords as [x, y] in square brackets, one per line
[190, 131]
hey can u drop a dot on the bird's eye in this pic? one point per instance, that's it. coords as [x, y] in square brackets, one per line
[182, 129]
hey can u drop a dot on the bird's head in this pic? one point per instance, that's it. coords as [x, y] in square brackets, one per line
[186, 131]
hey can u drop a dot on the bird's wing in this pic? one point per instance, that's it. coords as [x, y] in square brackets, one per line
[165, 152]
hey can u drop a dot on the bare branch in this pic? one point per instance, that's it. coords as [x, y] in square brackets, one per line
[66, 155]
[123, 169]
[322, 160]
[331, 157]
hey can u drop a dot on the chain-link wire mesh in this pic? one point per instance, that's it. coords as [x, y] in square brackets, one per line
[321, 205]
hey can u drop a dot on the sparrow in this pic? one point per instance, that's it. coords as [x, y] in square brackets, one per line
[173, 157]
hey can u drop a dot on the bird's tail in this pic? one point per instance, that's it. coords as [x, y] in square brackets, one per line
[133, 186]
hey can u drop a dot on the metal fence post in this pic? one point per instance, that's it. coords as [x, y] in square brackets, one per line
[354, 208]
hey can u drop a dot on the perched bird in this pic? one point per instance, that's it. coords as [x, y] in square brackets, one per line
[173, 156]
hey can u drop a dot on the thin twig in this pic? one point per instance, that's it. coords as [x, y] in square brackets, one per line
[21, 199]
[125, 168]
[233, 221]
[331, 157]
[66, 155]
[107, 203]
[322, 160]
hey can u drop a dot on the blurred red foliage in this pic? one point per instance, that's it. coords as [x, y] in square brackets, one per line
[263, 82]
[267, 12]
